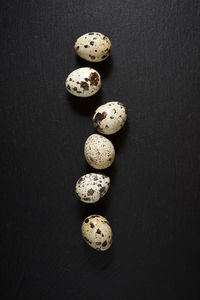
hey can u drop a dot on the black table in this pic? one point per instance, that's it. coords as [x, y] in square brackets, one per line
[153, 203]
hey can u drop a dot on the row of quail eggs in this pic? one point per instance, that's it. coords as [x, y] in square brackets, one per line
[99, 151]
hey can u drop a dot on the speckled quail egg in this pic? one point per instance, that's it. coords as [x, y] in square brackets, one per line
[91, 187]
[97, 232]
[83, 82]
[93, 46]
[110, 117]
[99, 151]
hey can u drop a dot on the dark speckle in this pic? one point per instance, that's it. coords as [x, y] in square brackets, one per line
[98, 231]
[98, 118]
[91, 43]
[68, 86]
[104, 244]
[111, 117]
[84, 85]
[87, 240]
[94, 38]
[90, 192]
[85, 46]
[86, 220]
[86, 199]
[98, 243]
[90, 33]
[92, 56]
[94, 78]
[91, 225]
[104, 56]
[80, 180]
[102, 191]
[77, 47]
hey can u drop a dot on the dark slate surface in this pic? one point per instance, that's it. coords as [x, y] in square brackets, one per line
[153, 203]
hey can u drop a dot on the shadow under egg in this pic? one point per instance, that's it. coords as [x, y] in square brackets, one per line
[87, 105]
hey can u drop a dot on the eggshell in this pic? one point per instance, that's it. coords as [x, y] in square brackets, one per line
[91, 187]
[99, 151]
[83, 82]
[97, 232]
[110, 117]
[93, 46]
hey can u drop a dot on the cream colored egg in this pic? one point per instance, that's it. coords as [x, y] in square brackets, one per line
[91, 187]
[99, 151]
[97, 232]
[83, 82]
[93, 46]
[110, 117]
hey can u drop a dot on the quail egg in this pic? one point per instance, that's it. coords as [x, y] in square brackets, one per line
[91, 187]
[97, 232]
[99, 151]
[110, 117]
[93, 46]
[83, 82]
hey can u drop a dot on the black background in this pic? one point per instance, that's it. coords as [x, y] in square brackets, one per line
[153, 203]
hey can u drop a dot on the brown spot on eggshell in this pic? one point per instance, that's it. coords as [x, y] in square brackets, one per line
[94, 78]
[92, 57]
[102, 190]
[90, 192]
[86, 199]
[99, 117]
[80, 180]
[84, 85]
[104, 244]
[98, 243]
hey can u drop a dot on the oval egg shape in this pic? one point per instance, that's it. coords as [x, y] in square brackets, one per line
[93, 46]
[83, 82]
[99, 152]
[91, 187]
[97, 232]
[110, 117]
